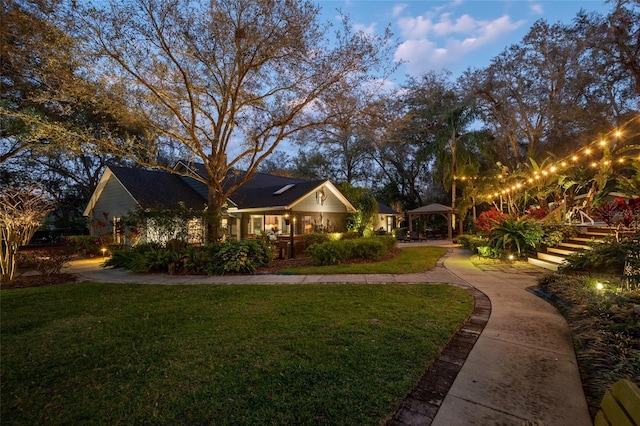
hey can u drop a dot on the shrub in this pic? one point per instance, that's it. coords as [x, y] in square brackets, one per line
[487, 220]
[604, 257]
[537, 212]
[334, 252]
[148, 257]
[472, 242]
[46, 261]
[553, 234]
[328, 253]
[389, 241]
[488, 251]
[351, 235]
[606, 329]
[519, 233]
[316, 238]
[216, 258]
[84, 244]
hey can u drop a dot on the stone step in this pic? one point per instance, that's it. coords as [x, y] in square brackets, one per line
[552, 258]
[585, 239]
[596, 234]
[564, 252]
[574, 246]
[543, 264]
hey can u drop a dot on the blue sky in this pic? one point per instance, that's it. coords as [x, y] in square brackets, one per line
[454, 34]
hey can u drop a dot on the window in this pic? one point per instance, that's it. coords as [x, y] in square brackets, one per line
[195, 231]
[307, 223]
[273, 224]
[255, 225]
[118, 235]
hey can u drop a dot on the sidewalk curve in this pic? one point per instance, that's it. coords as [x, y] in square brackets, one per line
[520, 363]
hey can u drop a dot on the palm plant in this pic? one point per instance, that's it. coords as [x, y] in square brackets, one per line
[630, 184]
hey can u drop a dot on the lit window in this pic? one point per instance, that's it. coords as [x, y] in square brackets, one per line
[195, 231]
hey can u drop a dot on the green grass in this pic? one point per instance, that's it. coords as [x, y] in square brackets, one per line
[408, 260]
[219, 354]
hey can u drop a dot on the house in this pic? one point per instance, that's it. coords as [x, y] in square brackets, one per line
[265, 204]
[387, 219]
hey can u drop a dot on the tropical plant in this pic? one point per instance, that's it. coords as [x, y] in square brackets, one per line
[519, 233]
[607, 256]
[490, 218]
[620, 212]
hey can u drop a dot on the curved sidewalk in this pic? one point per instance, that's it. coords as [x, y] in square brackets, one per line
[522, 366]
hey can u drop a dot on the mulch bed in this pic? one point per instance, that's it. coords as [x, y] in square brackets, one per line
[39, 281]
[26, 281]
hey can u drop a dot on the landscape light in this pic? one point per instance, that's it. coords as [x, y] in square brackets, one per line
[599, 286]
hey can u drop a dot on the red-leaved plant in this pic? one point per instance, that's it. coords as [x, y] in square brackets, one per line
[489, 219]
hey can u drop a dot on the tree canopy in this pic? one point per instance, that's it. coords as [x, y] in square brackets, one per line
[220, 82]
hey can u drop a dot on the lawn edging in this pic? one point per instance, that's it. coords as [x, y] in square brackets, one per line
[422, 404]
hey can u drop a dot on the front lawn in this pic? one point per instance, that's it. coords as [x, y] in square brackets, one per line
[219, 354]
[407, 260]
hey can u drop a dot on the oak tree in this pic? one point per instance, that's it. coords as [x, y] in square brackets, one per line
[220, 82]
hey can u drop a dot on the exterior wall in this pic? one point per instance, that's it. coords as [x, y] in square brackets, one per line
[323, 214]
[114, 202]
[314, 203]
[387, 222]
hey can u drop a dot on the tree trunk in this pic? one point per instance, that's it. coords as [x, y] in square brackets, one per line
[213, 214]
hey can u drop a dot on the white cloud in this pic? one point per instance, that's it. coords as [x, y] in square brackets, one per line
[436, 41]
[536, 8]
[397, 9]
[367, 29]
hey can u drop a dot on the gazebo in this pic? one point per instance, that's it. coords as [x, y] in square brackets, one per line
[431, 209]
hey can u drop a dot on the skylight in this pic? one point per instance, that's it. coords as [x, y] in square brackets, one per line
[284, 188]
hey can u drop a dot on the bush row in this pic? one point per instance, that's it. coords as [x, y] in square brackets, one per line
[334, 252]
[213, 259]
[516, 235]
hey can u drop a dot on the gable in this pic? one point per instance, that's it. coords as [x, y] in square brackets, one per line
[123, 186]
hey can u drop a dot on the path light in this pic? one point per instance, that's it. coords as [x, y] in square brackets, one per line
[511, 257]
[103, 250]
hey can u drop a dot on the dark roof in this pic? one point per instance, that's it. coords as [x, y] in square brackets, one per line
[153, 187]
[260, 191]
[384, 209]
[258, 195]
[259, 180]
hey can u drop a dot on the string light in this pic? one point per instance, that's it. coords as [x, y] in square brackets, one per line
[587, 151]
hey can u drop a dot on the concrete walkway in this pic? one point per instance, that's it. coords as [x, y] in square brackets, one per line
[523, 367]
[519, 367]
